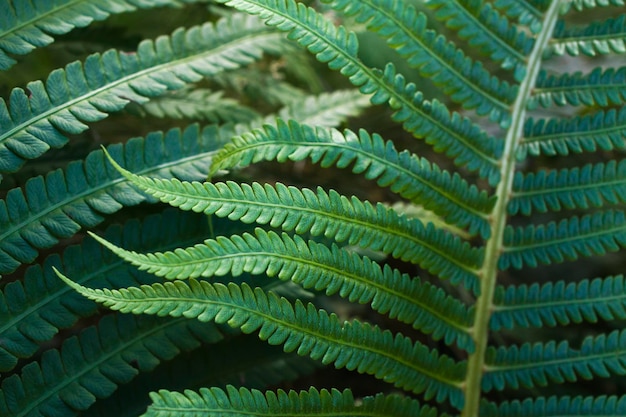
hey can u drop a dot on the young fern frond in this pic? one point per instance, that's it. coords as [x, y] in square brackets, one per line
[298, 327]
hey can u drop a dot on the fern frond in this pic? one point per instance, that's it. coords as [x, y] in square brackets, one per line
[600, 406]
[34, 309]
[608, 36]
[59, 205]
[328, 214]
[601, 130]
[300, 328]
[26, 25]
[84, 93]
[465, 81]
[559, 303]
[413, 178]
[589, 4]
[600, 87]
[91, 365]
[313, 265]
[594, 234]
[524, 11]
[465, 142]
[487, 30]
[255, 403]
[536, 365]
[590, 186]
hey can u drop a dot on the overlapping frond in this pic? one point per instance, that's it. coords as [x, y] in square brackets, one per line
[298, 327]
[603, 130]
[486, 30]
[593, 185]
[33, 310]
[313, 265]
[406, 174]
[462, 140]
[603, 37]
[91, 365]
[601, 406]
[26, 25]
[536, 365]
[349, 220]
[594, 234]
[312, 403]
[559, 303]
[600, 87]
[524, 11]
[58, 205]
[464, 80]
[86, 92]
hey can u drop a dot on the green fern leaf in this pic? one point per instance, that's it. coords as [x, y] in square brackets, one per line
[84, 93]
[601, 406]
[92, 365]
[601, 87]
[537, 365]
[601, 130]
[411, 177]
[310, 403]
[314, 265]
[594, 234]
[329, 214]
[458, 137]
[604, 37]
[465, 81]
[590, 186]
[589, 4]
[524, 11]
[59, 205]
[559, 303]
[300, 328]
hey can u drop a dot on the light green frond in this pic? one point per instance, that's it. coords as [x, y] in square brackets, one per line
[464, 80]
[300, 328]
[458, 137]
[600, 406]
[486, 30]
[90, 366]
[313, 265]
[589, 4]
[602, 130]
[86, 92]
[57, 206]
[595, 234]
[596, 38]
[332, 215]
[590, 186]
[26, 25]
[559, 303]
[524, 11]
[413, 178]
[308, 403]
[600, 87]
[537, 365]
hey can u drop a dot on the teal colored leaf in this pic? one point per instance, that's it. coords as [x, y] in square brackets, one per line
[524, 11]
[600, 406]
[589, 4]
[596, 38]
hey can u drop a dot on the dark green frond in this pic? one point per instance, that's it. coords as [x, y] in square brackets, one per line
[590, 186]
[603, 130]
[91, 365]
[313, 265]
[329, 214]
[311, 403]
[34, 309]
[26, 25]
[601, 406]
[81, 93]
[487, 30]
[300, 328]
[559, 303]
[595, 234]
[524, 11]
[464, 141]
[59, 205]
[464, 80]
[600, 87]
[536, 365]
[413, 178]
[606, 37]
